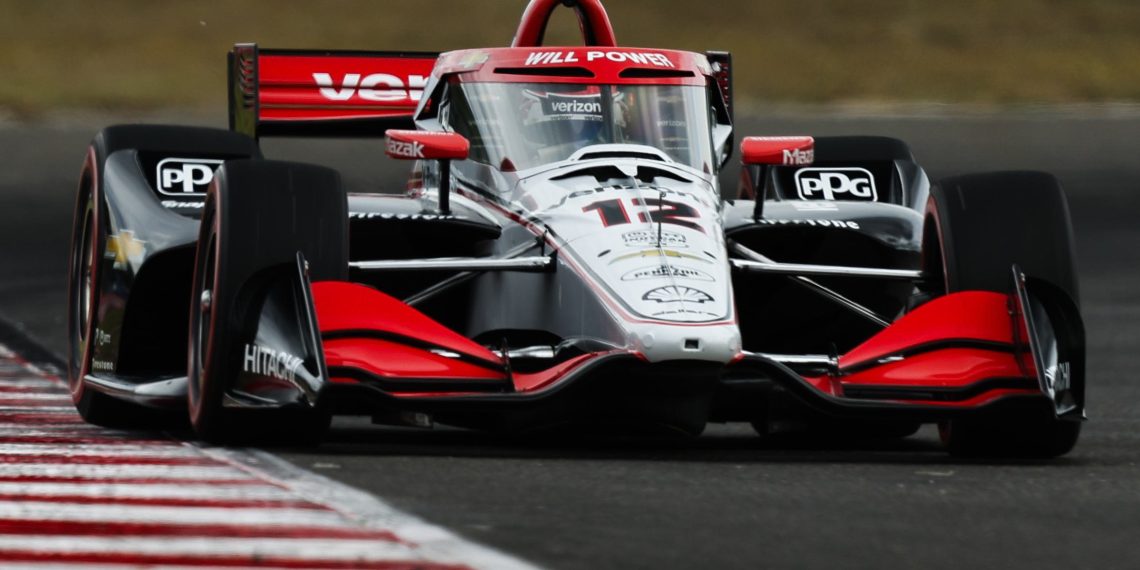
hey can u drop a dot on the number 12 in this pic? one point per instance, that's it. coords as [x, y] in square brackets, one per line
[614, 213]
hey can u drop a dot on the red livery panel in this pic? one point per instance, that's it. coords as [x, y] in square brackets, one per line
[578, 65]
[343, 307]
[426, 145]
[780, 151]
[329, 87]
[284, 92]
[970, 315]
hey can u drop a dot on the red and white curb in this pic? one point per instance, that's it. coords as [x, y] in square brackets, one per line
[75, 495]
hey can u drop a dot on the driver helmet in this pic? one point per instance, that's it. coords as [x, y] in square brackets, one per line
[561, 114]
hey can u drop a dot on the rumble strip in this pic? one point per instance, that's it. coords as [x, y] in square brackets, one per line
[72, 494]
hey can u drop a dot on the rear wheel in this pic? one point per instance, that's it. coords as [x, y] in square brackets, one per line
[978, 227]
[257, 216]
[91, 231]
[89, 240]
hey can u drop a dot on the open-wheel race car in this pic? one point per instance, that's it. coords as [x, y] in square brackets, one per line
[563, 255]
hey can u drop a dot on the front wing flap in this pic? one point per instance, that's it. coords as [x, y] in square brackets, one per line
[960, 353]
[963, 353]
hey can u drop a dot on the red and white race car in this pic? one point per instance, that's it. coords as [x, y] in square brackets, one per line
[563, 254]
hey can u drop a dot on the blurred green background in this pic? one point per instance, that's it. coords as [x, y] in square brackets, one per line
[116, 55]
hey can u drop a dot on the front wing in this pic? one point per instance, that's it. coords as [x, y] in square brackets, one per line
[963, 353]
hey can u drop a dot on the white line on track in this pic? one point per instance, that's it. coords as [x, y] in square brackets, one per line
[23, 380]
[39, 409]
[100, 450]
[50, 566]
[158, 491]
[52, 511]
[37, 396]
[101, 566]
[10, 429]
[82, 436]
[273, 548]
[172, 472]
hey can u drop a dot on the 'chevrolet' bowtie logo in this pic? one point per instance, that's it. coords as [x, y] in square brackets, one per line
[124, 247]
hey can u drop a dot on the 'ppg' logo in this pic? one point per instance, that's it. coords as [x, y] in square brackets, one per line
[836, 184]
[185, 176]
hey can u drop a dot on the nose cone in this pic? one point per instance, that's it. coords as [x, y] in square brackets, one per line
[712, 343]
[651, 247]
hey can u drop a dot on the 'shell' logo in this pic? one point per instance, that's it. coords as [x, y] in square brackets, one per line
[836, 184]
[185, 176]
[677, 294]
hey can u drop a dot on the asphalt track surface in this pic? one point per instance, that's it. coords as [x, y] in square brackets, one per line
[729, 499]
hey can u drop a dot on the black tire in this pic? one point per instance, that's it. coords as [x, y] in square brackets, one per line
[1035, 436]
[978, 226]
[90, 231]
[89, 238]
[258, 215]
[988, 222]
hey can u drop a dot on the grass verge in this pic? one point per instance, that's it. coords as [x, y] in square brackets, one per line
[140, 54]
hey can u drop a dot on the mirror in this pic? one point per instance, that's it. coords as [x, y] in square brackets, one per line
[426, 145]
[430, 145]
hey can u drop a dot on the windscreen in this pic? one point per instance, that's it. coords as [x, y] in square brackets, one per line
[517, 126]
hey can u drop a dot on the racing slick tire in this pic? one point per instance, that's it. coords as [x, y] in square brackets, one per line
[90, 232]
[258, 216]
[978, 227]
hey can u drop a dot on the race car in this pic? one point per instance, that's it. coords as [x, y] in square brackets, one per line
[562, 254]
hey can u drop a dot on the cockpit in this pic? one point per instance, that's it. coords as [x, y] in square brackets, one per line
[519, 126]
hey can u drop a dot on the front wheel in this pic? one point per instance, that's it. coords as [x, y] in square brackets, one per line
[978, 227]
[258, 216]
[1030, 435]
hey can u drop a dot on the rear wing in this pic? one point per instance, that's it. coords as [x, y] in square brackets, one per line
[324, 93]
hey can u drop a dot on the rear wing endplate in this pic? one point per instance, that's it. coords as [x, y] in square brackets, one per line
[324, 93]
